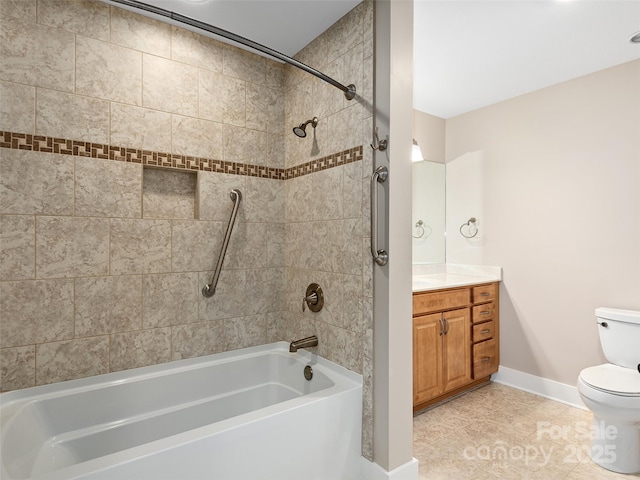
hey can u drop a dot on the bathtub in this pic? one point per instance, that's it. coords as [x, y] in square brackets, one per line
[249, 414]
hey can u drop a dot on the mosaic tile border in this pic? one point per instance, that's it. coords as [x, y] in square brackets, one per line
[77, 148]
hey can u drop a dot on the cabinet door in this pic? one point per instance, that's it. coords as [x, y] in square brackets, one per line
[427, 357]
[457, 348]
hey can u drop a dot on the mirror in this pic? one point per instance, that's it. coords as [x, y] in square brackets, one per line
[428, 216]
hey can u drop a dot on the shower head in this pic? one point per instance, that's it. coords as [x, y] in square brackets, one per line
[300, 129]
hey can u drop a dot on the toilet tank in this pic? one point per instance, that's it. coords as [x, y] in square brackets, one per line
[620, 335]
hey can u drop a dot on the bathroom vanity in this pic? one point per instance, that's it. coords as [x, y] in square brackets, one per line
[455, 335]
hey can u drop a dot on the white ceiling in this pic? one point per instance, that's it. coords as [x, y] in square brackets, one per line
[286, 26]
[467, 53]
[470, 54]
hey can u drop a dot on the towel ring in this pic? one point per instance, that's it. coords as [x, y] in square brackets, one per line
[420, 229]
[472, 228]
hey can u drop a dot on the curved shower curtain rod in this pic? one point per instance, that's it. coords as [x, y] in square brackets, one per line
[349, 90]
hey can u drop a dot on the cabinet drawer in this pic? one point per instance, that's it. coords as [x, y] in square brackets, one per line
[439, 301]
[484, 293]
[483, 331]
[482, 313]
[485, 359]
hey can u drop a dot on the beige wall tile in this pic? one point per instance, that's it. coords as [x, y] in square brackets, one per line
[245, 146]
[23, 9]
[315, 54]
[264, 200]
[139, 349]
[170, 299]
[367, 27]
[352, 71]
[366, 92]
[345, 34]
[222, 98]
[71, 116]
[105, 188]
[345, 128]
[108, 71]
[34, 182]
[275, 151]
[168, 194]
[197, 339]
[17, 247]
[140, 246]
[299, 236]
[297, 206]
[340, 346]
[272, 327]
[108, 305]
[17, 107]
[229, 300]
[85, 17]
[60, 361]
[142, 128]
[169, 86]
[276, 245]
[195, 245]
[350, 310]
[275, 75]
[214, 200]
[340, 242]
[70, 247]
[352, 190]
[245, 332]
[17, 368]
[36, 54]
[196, 137]
[35, 312]
[265, 109]
[244, 65]
[326, 194]
[197, 50]
[140, 33]
[247, 246]
[266, 287]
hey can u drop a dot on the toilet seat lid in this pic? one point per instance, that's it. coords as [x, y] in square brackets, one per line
[613, 378]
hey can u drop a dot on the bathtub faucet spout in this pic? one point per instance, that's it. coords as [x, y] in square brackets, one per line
[311, 341]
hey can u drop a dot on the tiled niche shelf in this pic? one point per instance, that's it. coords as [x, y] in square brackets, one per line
[41, 143]
[168, 193]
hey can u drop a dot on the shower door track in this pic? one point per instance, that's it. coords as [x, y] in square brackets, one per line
[349, 90]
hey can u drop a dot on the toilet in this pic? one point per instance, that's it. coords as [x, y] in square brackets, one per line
[612, 392]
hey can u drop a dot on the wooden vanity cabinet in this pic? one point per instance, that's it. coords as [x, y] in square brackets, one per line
[455, 341]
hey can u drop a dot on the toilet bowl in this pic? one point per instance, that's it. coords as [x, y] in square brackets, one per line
[612, 392]
[616, 415]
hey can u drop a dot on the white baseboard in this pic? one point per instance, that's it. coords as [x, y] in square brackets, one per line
[560, 392]
[373, 471]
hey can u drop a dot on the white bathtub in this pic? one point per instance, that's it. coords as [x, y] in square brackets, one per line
[244, 415]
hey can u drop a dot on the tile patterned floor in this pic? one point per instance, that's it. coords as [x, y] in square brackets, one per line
[501, 432]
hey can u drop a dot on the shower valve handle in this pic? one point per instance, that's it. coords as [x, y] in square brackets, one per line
[314, 298]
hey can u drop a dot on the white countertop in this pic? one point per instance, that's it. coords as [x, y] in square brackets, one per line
[436, 277]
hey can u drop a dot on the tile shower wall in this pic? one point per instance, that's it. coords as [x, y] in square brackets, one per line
[327, 212]
[102, 261]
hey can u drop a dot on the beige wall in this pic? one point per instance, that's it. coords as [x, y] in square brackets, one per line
[561, 187]
[103, 258]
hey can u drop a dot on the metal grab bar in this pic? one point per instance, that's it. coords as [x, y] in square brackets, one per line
[381, 257]
[209, 289]
[348, 90]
